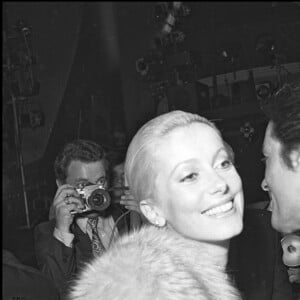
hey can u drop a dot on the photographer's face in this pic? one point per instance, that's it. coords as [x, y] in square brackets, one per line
[80, 172]
[198, 189]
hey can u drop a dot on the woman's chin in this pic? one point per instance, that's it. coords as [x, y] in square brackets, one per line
[234, 230]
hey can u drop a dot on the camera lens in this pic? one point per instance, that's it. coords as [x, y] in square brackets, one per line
[99, 200]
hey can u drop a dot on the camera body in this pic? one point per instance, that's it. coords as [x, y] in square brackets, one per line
[95, 197]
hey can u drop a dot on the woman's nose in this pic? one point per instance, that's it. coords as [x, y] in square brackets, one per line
[264, 185]
[219, 185]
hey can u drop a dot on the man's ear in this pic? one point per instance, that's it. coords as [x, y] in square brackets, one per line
[58, 183]
[295, 159]
[152, 213]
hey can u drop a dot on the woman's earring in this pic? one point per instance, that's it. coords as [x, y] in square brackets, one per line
[160, 223]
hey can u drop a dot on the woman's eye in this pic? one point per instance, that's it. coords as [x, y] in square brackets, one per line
[225, 164]
[189, 177]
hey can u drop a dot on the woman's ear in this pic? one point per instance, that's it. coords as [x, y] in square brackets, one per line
[295, 159]
[152, 213]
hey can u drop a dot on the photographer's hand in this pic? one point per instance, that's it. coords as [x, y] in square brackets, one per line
[66, 200]
[129, 202]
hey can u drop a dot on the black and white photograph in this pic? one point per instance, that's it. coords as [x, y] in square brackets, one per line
[151, 150]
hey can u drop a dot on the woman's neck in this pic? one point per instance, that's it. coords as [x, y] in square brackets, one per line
[220, 250]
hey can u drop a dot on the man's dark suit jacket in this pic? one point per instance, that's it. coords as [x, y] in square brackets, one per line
[61, 263]
[256, 259]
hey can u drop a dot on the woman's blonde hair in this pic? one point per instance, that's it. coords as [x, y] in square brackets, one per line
[141, 162]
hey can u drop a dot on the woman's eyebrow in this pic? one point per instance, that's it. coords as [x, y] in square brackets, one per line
[192, 159]
[218, 152]
[185, 162]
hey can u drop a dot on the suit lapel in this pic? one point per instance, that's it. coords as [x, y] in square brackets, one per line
[82, 244]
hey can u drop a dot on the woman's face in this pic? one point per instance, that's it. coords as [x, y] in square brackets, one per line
[199, 191]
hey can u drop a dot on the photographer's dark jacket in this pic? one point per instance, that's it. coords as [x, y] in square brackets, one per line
[59, 262]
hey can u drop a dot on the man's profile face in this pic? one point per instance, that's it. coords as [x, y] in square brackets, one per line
[283, 186]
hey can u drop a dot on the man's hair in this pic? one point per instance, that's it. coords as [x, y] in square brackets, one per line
[284, 114]
[78, 150]
[141, 160]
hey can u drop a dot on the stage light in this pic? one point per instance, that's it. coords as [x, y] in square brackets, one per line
[142, 66]
[160, 11]
[263, 91]
[230, 51]
[225, 54]
[265, 44]
[247, 131]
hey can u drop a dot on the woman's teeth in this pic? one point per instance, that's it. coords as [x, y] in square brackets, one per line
[220, 209]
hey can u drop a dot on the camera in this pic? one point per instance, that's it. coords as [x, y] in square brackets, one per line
[95, 197]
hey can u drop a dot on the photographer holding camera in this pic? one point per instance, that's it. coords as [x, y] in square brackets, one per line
[83, 222]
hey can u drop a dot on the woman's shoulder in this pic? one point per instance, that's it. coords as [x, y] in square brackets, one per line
[154, 263]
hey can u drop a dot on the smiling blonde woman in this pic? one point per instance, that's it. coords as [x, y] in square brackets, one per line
[182, 173]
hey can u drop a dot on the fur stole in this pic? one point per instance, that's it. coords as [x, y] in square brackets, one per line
[153, 264]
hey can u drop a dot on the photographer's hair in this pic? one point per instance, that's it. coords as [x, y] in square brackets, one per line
[141, 160]
[77, 150]
[284, 114]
